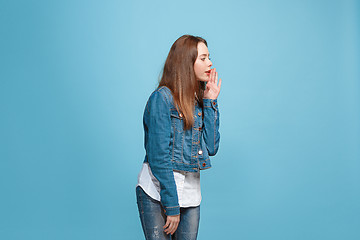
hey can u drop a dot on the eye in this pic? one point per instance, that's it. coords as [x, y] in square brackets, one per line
[202, 59]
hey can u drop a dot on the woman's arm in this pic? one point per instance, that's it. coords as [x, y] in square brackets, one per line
[157, 123]
[211, 126]
[211, 113]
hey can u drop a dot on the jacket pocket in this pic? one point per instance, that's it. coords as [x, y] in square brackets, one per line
[177, 121]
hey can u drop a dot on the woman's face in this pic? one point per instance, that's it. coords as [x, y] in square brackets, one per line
[202, 63]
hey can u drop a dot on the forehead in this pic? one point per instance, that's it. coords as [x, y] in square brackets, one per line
[202, 49]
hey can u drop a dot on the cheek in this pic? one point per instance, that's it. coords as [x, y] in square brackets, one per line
[198, 67]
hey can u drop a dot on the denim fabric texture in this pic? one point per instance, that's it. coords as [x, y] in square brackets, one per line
[169, 147]
[153, 219]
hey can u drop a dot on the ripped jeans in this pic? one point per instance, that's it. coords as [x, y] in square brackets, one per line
[153, 219]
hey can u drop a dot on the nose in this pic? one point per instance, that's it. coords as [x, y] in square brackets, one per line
[210, 63]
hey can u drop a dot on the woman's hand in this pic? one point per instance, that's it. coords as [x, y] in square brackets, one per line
[212, 87]
[172, 222]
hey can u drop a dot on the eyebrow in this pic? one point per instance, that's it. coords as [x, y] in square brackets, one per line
[204, 54]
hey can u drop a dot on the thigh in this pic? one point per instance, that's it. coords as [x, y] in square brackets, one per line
[189, 224]
[151, 215]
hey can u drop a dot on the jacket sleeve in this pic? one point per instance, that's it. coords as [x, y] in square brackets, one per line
[157, 120]
[211, 126]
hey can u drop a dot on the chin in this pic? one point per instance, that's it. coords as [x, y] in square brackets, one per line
[203, 79]
[206, 79]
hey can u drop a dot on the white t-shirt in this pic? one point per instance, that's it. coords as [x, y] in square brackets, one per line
[187, 185]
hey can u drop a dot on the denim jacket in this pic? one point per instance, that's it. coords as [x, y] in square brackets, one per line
[169, 147]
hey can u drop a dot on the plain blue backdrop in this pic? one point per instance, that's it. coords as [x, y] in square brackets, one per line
[75, 77]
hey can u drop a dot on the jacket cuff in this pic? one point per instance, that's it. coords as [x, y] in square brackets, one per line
[210, 103]
[170, 211]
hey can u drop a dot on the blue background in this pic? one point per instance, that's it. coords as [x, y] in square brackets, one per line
[75, 77]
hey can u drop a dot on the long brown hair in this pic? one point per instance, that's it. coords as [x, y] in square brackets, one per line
[179, 76]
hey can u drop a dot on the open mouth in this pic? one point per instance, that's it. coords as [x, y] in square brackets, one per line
[207, 72]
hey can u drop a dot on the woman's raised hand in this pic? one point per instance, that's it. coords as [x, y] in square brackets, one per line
[212, 86]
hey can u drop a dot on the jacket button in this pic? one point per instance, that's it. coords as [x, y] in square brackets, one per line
[200, 128]
[214, 103]
[204, 164]
[199, 114]
[180, 115]
[200, 152]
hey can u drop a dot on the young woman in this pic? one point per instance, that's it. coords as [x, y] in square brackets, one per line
[181, 124]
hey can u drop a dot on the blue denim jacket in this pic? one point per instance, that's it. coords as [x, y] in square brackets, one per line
[169, 147]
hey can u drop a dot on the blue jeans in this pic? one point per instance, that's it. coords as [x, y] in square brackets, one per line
[153, 219]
